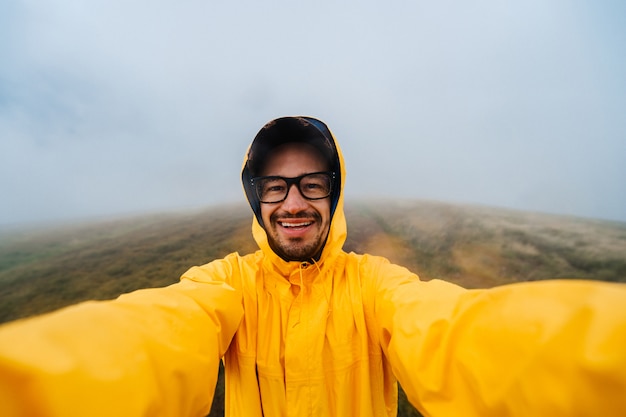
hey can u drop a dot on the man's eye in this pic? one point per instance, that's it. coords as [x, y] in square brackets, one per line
[313, 185]
[274, 188]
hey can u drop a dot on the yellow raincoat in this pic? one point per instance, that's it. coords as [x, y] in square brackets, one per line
[326, 338]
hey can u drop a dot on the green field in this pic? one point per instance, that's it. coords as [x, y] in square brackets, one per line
[50, 267]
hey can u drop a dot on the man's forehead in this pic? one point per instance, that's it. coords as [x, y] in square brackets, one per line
[306, 156]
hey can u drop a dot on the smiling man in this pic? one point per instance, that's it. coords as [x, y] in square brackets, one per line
[307, 329]
[292, 180]
[294, 194]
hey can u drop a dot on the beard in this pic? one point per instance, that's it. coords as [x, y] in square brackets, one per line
[297, 248]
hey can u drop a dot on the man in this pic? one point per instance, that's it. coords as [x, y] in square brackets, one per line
[306, 329]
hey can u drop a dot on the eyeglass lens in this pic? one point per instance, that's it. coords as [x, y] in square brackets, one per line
[275, 189]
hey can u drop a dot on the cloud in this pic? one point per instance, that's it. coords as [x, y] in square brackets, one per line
[113, 107]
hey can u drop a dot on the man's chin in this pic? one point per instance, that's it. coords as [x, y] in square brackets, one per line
[298, 253]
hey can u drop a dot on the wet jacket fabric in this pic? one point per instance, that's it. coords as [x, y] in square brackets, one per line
[323, 338]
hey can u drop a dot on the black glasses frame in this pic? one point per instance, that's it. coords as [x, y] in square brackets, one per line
[291, 181]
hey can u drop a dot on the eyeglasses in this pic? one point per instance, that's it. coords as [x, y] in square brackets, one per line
[313, 186]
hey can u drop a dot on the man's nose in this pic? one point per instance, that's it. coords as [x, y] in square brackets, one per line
[294, 202]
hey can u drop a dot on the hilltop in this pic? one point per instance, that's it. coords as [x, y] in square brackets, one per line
[42, 270]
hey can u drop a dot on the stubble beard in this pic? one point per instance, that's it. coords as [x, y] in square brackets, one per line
[297, 249]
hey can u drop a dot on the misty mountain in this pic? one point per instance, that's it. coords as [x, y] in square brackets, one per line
[47, 268]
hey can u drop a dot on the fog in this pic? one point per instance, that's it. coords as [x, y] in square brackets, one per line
[119, 107]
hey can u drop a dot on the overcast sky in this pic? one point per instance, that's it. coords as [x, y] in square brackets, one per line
[114, 107]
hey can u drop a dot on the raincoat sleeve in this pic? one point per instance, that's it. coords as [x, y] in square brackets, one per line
[151, 352]
[549, 348]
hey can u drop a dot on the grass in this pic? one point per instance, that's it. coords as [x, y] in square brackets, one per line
[477, 247]
[480, 247]
[43, 271]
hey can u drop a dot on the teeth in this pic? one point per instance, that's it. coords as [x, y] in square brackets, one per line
[295, 224]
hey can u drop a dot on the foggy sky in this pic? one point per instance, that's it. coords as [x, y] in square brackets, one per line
[114, 107]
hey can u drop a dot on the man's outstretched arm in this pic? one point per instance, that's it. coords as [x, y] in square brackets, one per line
[554, 348]
[150, 352]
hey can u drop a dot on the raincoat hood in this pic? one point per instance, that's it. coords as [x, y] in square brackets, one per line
[288, 130]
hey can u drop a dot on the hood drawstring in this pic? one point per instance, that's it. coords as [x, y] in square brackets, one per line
[302, 266]
[327, 295]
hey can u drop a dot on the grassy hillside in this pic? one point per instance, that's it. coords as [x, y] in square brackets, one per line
[45, 269]
[42, 270]
[480, 247]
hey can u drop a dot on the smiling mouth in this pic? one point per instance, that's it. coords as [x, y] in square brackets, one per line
[295, 225]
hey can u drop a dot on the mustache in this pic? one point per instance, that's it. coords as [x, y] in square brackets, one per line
[302, 215]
